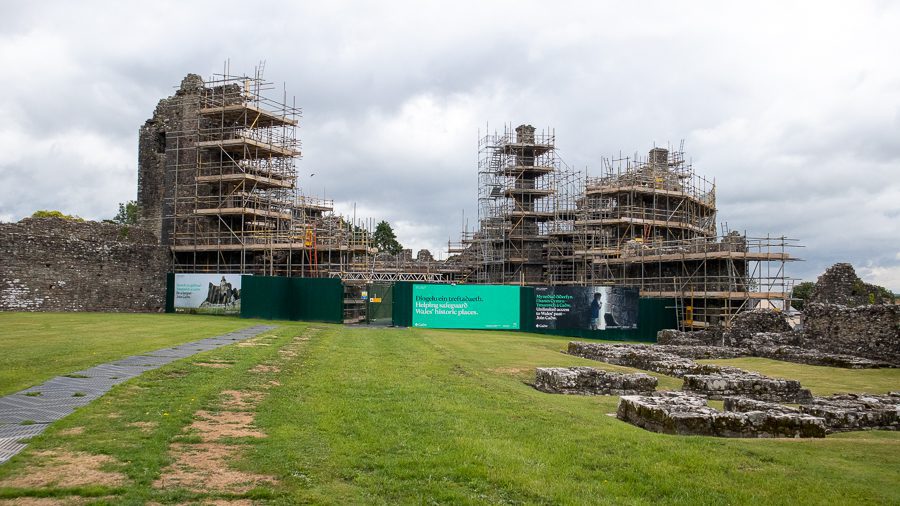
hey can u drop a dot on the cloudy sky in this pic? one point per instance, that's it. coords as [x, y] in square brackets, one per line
[793, 107]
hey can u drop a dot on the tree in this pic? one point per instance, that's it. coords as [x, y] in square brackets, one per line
[385, 240]
[800, 293]
[128, 213]
[44, 213]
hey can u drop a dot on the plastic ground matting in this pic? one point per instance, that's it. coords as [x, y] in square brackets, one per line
[26, 414]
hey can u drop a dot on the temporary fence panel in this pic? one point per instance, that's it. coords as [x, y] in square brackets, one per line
[281, 298]
[170, 292]
[380, 303]
[402, 307]
[653, 315]
[443, 306]
[266, 297]
[317, 299]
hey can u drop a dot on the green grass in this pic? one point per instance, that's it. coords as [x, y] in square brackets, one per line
[821, 380]
[414, 416]
[35, 347]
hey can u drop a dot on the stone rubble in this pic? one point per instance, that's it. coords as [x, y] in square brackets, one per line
[644, 357]
[591, 381]
[685, 414]
[840, 285]
[835, 336]
[746, 384]
[808, 356]
[872, 331]
[711, 380]
[746, 325]
[841, 412]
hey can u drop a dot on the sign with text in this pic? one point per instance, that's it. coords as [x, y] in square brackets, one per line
[208, 293]
[466, 306]
[585, 307]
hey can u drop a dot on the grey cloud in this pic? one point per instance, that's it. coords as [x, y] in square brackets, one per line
[791, 110]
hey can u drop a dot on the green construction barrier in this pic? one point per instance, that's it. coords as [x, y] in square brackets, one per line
[321, 299]
[317, 299]
[463, 306]
[380, 305]
[653, 315]
[170, 292]
[280, 298]
[402, 305]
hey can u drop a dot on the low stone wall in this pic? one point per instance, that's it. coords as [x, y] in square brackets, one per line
[643, 357]
[591, 381]
[834, 336]
[747, 384]
[767, 345]
[807, 356]
[684, 414]
[866, 331]
[841, 412]
[715, 381]
[704, 352]
[845, 412]
[707, 337]
[52, 264]
[746, 325]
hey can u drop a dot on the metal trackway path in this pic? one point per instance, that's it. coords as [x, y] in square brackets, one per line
[27, 413]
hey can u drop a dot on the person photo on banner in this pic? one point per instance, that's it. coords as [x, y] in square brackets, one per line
[609, 321]
[597, 323]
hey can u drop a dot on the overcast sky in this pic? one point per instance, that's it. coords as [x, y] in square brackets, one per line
[793, 107]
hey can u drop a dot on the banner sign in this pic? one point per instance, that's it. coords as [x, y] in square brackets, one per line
[586, 307]
[208, 293]
[466, 306]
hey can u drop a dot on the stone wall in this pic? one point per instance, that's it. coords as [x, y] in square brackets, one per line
[841, 412]
[162, 155]
[591, 381]
[746, 325]
[833, 335]
[746, 384]
[865, 331]
[52, 264]
[686, 414]
[839, 284]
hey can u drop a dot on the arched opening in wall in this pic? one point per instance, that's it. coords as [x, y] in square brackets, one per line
[161, 142]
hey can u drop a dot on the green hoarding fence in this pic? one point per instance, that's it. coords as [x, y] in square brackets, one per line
[526, 308]
[402, 308]
[170, 292]
[653, 315]
[280, 298]
[380, 302]
[444, 306]
[321, 299]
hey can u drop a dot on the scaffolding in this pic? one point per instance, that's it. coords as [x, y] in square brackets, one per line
[516, 175]
[648, 223]
[564, 267]
[225, 159]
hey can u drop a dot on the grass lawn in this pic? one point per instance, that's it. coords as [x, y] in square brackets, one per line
[348, 415]
[35, 347]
